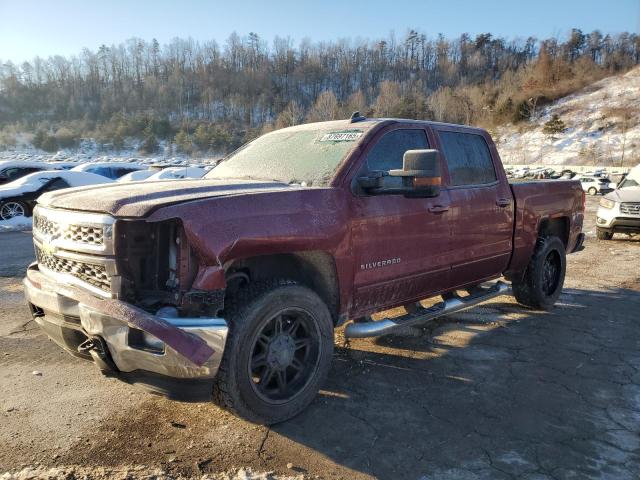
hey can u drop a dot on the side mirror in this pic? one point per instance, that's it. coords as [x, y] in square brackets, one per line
[419, 177]
[420, 173]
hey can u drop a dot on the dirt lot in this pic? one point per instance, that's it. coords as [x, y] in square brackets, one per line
[496, 392]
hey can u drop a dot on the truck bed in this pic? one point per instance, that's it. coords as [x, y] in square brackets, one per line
[556, 202]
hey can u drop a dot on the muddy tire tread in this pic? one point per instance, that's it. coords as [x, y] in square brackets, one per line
[526, 290]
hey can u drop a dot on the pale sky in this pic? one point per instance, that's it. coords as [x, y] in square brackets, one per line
[29, 28]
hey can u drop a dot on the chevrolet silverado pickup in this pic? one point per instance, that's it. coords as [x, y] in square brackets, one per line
[230, 286]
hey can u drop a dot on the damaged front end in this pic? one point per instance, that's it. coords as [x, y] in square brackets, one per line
[125, 294]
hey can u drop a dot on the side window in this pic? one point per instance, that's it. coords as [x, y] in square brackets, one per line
[11, 173]
[103, 171]
[120, 171]
[388, 152]
[17, 172]
[56, 184]
[468, 158]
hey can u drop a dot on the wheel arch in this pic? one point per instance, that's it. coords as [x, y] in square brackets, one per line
[315, 269]
[557, 227]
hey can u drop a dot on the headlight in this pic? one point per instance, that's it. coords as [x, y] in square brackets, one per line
[606, 203]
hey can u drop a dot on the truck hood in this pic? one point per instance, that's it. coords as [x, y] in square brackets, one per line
[629, 194]
[138, 199]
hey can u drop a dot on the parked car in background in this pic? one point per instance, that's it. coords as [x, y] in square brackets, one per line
[13, 170]
[521, 172]
[112, 170]
[176, 173]
[137, 176]
[18, 198]
[595, 185]
[619, 211]
[58, 165]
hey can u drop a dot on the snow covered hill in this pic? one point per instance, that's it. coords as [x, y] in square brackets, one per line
[602, 120]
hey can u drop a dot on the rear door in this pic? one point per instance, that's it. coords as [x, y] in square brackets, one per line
[481, 211]
[399, 244]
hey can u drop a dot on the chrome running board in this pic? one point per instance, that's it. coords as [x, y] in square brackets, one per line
[421, 315]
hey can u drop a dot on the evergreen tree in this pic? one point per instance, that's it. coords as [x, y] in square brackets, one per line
[149, 144]
[202, 138]
[554, 126]
[49, 144]
[183, 142]
[39, 138]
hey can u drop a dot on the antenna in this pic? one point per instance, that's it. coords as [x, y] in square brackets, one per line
[356, 117]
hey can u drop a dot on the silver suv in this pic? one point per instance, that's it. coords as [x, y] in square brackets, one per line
[619, 211]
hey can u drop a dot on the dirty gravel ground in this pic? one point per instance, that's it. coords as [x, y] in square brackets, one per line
[496, 392]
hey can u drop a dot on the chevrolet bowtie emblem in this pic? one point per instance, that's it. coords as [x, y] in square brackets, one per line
[48, 248]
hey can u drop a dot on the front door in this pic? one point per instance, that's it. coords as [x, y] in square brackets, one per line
[400, 244]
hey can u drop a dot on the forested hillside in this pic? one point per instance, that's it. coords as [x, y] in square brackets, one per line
[597, 125]
[206, 97]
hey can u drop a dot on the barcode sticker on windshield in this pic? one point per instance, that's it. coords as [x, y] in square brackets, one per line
[341, 136]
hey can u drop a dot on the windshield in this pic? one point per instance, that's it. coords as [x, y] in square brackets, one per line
[310, 156]
[631, 180]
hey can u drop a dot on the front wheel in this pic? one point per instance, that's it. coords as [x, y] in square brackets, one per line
[542, 282]
[13, 209]
[278, 351]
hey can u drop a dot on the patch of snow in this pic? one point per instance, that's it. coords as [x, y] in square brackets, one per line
[16, 224]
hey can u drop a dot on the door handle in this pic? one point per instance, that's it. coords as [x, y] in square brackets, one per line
[439, 208]
[503, 202]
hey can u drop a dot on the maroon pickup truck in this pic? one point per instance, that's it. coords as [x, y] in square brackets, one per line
[230, 286]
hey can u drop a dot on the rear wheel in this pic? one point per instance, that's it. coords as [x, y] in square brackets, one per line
[13, 209]
[278, 351]
[603, 234]
[542, 282]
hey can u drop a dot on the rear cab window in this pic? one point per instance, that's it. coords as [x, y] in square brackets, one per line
[468, 158]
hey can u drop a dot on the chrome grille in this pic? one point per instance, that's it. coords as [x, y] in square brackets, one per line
[83, 234]
[45, 226]
[93, 274]
[630, 208]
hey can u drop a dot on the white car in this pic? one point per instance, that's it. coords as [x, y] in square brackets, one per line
[137, 176]
[19, 197]
[112, 170]
[176, 173]
[595, 185]
[619, 211]
[12, 170]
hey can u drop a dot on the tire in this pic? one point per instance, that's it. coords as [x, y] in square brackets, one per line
[603, 234]
[593, 191]
[260, 356]
[13, 208]
[542, 282]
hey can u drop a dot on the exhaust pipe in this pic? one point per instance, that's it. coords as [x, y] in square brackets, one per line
[446, 307]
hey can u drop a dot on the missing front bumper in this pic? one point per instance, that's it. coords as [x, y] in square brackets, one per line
[192, 347]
